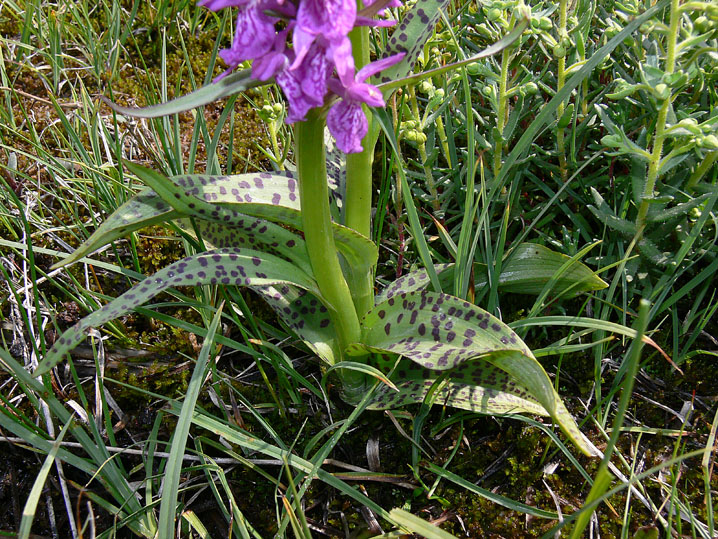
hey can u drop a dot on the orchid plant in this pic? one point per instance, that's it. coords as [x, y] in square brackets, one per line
[300, 238]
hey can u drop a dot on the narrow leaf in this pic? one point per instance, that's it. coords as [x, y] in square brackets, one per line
[229, 85]
[28, 512]
[239, 267]
[168, 505]
[419, 526]
[143, 210]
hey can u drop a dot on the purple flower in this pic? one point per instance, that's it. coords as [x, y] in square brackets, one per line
[330, 19]
[346, 120]
[306, 84]
[255, 36]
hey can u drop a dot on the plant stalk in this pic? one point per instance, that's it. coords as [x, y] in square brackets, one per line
[359, 186]
[316, 219]
[503, 110]
[655, 162]
[561, 76]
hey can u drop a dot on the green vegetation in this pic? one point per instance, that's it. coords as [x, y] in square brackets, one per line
[593, 135]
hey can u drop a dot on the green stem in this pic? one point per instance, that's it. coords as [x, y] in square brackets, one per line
[701, 170]
[317, 224]
[602, 481]
[561, 76]
[654, 164]
[359, 186]
[357, 203]
[503, 110]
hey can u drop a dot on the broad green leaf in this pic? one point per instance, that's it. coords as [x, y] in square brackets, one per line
[474, 385]
[239, 267]
[532, 265]
[305, 315]
[229, 85]
[143, 210]
[441, 333]
[226, 223]
[274, 197]
[411, 282]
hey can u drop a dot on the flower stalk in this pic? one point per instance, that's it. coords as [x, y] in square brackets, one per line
[317, 224]
[659, 137]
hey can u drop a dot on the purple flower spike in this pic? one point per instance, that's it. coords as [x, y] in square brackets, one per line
[254, 37]
[346, 120]
[348, 125]
[330, 19]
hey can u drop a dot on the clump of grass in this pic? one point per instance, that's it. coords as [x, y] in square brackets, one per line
[489, 165]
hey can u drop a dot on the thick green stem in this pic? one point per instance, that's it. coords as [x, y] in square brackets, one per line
[316, 220]
[659, 138]
[359, 186]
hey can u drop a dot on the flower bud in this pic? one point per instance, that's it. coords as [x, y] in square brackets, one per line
[414, 135]
[661, 91]
[703, 24]
[426, 87]
[494, 14]
[709, 142]
[439, 93]
[545, 24]
[530, 88]
[559, 51]
[612, 141]
[647, 27]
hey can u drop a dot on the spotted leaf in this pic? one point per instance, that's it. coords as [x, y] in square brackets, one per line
[229, 85]
[441, 333]
[305, 315]
[475, 385]
[409, 37]
[239, 267]
[274, 197]
[411, 282]
[278, 239]
[142, 210]
[336, 177]
[437, 331]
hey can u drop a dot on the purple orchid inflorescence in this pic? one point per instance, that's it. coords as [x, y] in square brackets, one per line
[318, 62]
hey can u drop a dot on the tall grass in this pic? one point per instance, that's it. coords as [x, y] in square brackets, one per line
[544, 144]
